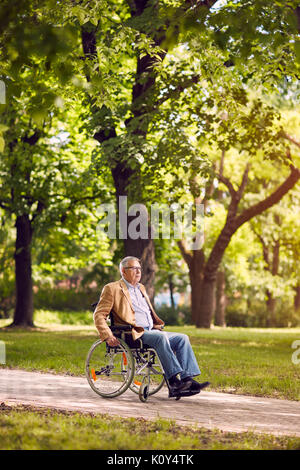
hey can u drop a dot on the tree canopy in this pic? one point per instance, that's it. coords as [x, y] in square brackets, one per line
[157, 100]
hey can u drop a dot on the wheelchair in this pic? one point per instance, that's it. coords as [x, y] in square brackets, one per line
[110, 371]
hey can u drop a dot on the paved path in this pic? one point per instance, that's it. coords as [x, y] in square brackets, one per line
[224, 411]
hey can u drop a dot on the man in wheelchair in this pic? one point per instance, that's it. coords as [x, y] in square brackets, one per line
[129, 304]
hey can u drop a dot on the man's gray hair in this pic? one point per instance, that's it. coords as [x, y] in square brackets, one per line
[124, 262]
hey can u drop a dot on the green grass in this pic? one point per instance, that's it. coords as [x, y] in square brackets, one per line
[248, 360]
[236, 360]
[69, 317]
[52, 430]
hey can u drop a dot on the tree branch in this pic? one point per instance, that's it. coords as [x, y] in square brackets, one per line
[244, 182]
[187, 256]
[271, 200]
[195, 4]
[233, 222]
[3, 206]
[264, 246]
[291, 139]
[40, 207]
[227, 183]
[32, 140]
[89, 45]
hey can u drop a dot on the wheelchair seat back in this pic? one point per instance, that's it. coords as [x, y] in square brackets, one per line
[124, 332]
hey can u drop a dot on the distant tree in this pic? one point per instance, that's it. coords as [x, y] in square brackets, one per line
[259, 138]
[171, 273]
[45, 183]
[278, 232]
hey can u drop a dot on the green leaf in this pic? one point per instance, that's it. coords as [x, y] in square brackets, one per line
[297, 51]
[2, 144]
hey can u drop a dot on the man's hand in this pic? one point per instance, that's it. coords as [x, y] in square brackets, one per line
[158, 327]
[112, 341]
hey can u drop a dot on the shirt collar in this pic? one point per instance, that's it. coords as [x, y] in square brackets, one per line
[130, 286]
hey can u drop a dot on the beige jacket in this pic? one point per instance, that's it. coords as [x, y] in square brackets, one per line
[115, 298]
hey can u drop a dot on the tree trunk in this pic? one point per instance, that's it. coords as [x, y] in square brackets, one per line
[206, 307]
[271, 301]
[272, 266]
[171, 289]
[233, 223]
[195, 281]
[141, 248]
[297, 298]
[23, 315]
[207, 304]
[220, 299]
[195, 262]
[271, 306]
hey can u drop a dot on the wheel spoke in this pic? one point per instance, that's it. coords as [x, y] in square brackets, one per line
[106, 371]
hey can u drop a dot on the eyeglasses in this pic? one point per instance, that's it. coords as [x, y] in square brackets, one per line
[134, 267]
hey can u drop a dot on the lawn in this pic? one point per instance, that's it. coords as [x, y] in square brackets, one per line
[236, 360]
[52, 430]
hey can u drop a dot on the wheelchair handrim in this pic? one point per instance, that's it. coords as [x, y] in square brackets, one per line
[124, 385]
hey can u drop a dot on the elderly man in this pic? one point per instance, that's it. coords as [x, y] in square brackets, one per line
[129, 303]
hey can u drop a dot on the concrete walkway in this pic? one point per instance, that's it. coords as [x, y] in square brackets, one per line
[211, 410]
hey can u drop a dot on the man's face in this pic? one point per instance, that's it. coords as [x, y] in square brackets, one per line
[130, 273]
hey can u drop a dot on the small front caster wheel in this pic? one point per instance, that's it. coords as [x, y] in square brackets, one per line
[144, 392]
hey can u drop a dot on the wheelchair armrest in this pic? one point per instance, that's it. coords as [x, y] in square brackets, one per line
[121, 328]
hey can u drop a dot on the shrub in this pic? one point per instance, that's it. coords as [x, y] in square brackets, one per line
[180, 315]
[259, 317]
[286, 317]
[65, 299]
[7, 298]
[64, 317]
[237, 318]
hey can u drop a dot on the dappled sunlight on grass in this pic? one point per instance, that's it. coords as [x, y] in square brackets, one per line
[59, 327]
[253, 344]
[245, 360]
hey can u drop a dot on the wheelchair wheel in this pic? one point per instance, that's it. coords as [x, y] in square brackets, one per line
[105, 369]
[147, 366]
[144, 390]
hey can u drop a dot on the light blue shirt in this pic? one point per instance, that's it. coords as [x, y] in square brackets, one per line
[140, 305]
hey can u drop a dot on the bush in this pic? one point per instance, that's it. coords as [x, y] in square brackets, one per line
[236, 318]
[180, 315]
[7, 298]
[65, 299]
[285, 317]
[64, 317]
[259, 317]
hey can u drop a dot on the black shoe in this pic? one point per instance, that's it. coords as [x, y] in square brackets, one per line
[194, 386]
[177, 387]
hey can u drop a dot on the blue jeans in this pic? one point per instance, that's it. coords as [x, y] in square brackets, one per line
[174, 351]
